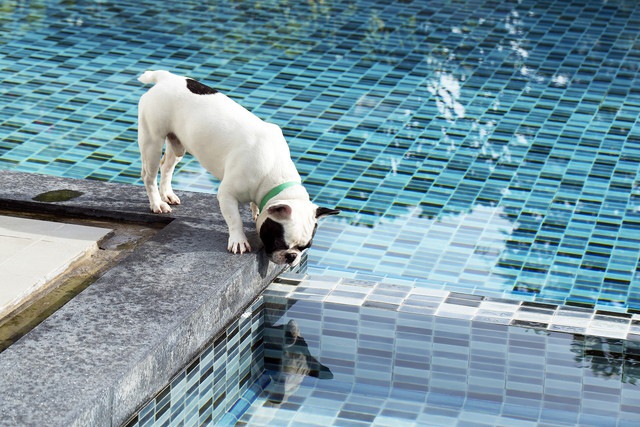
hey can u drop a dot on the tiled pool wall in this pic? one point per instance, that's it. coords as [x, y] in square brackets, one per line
[487, 147]
[209, 387]
[432, 302]
[319, 352]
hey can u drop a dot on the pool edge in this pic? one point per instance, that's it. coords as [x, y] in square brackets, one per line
[110, 349]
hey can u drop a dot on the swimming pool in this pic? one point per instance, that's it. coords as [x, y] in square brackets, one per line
[488, 148]
[483, 147]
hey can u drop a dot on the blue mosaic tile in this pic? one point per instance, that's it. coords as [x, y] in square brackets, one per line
[488, 146]
[206, 392]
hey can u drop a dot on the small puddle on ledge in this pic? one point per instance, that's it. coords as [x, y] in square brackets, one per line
[57, 196]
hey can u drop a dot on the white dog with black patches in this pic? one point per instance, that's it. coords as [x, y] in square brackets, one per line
[249, 156]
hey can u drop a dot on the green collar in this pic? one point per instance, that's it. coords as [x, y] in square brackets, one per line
[275, 191]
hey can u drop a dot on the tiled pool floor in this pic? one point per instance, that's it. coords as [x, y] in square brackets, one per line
[491, 147]
[33, 252]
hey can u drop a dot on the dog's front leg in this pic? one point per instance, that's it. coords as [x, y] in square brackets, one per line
[238, 242]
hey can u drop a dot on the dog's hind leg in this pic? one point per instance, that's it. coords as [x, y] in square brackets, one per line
[150, 151]
[173, 153]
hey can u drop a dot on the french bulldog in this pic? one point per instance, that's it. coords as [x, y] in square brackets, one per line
[250, 157]
[295, 362]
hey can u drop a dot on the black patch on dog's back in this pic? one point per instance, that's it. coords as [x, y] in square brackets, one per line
[199, 89]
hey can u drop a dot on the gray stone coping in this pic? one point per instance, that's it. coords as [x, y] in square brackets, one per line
[116, 344]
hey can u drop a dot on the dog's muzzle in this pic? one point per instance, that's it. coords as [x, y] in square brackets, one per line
[291, 258]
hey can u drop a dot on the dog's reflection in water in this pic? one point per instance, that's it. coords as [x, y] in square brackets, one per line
[296, 363]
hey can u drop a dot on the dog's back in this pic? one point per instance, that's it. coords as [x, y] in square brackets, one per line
[208, 124]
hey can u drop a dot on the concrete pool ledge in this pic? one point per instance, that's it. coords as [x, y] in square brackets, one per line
[116, 344]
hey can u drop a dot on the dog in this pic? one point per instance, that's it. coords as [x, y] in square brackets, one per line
[250, 157]
[294, 364]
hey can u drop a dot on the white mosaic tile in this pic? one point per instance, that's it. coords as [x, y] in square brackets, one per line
[540, 316]
[456, 311]
[350, 299]
[490, 316]
[609, 326]
[440, 293]
[502, 307]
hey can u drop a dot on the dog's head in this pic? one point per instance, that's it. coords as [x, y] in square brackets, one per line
[287, 227]
[296, 363]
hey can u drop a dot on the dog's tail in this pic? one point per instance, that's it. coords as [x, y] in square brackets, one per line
[153, 77]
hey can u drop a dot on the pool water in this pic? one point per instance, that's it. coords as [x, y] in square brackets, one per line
[484, 147]
[480, 149]
[334, 364]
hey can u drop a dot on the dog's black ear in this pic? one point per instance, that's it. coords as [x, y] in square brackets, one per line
[325, 212]
[280, 211]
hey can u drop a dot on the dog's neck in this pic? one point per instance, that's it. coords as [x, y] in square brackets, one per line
[292, 192]
[274, 192]
[285, 173]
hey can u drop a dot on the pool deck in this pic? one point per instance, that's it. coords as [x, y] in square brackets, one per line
[34, 252]
[116, 344]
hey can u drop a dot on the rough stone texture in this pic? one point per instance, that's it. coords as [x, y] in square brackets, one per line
[110, 349]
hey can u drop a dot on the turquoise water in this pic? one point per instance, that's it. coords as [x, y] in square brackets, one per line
[482, 147]
[474, 147]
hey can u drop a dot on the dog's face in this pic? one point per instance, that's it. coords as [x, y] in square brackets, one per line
[296, 362]
[287, 228]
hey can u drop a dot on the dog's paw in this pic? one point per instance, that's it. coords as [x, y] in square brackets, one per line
[171, 198]
[238, 245]
[161, 207]
[255, 211]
